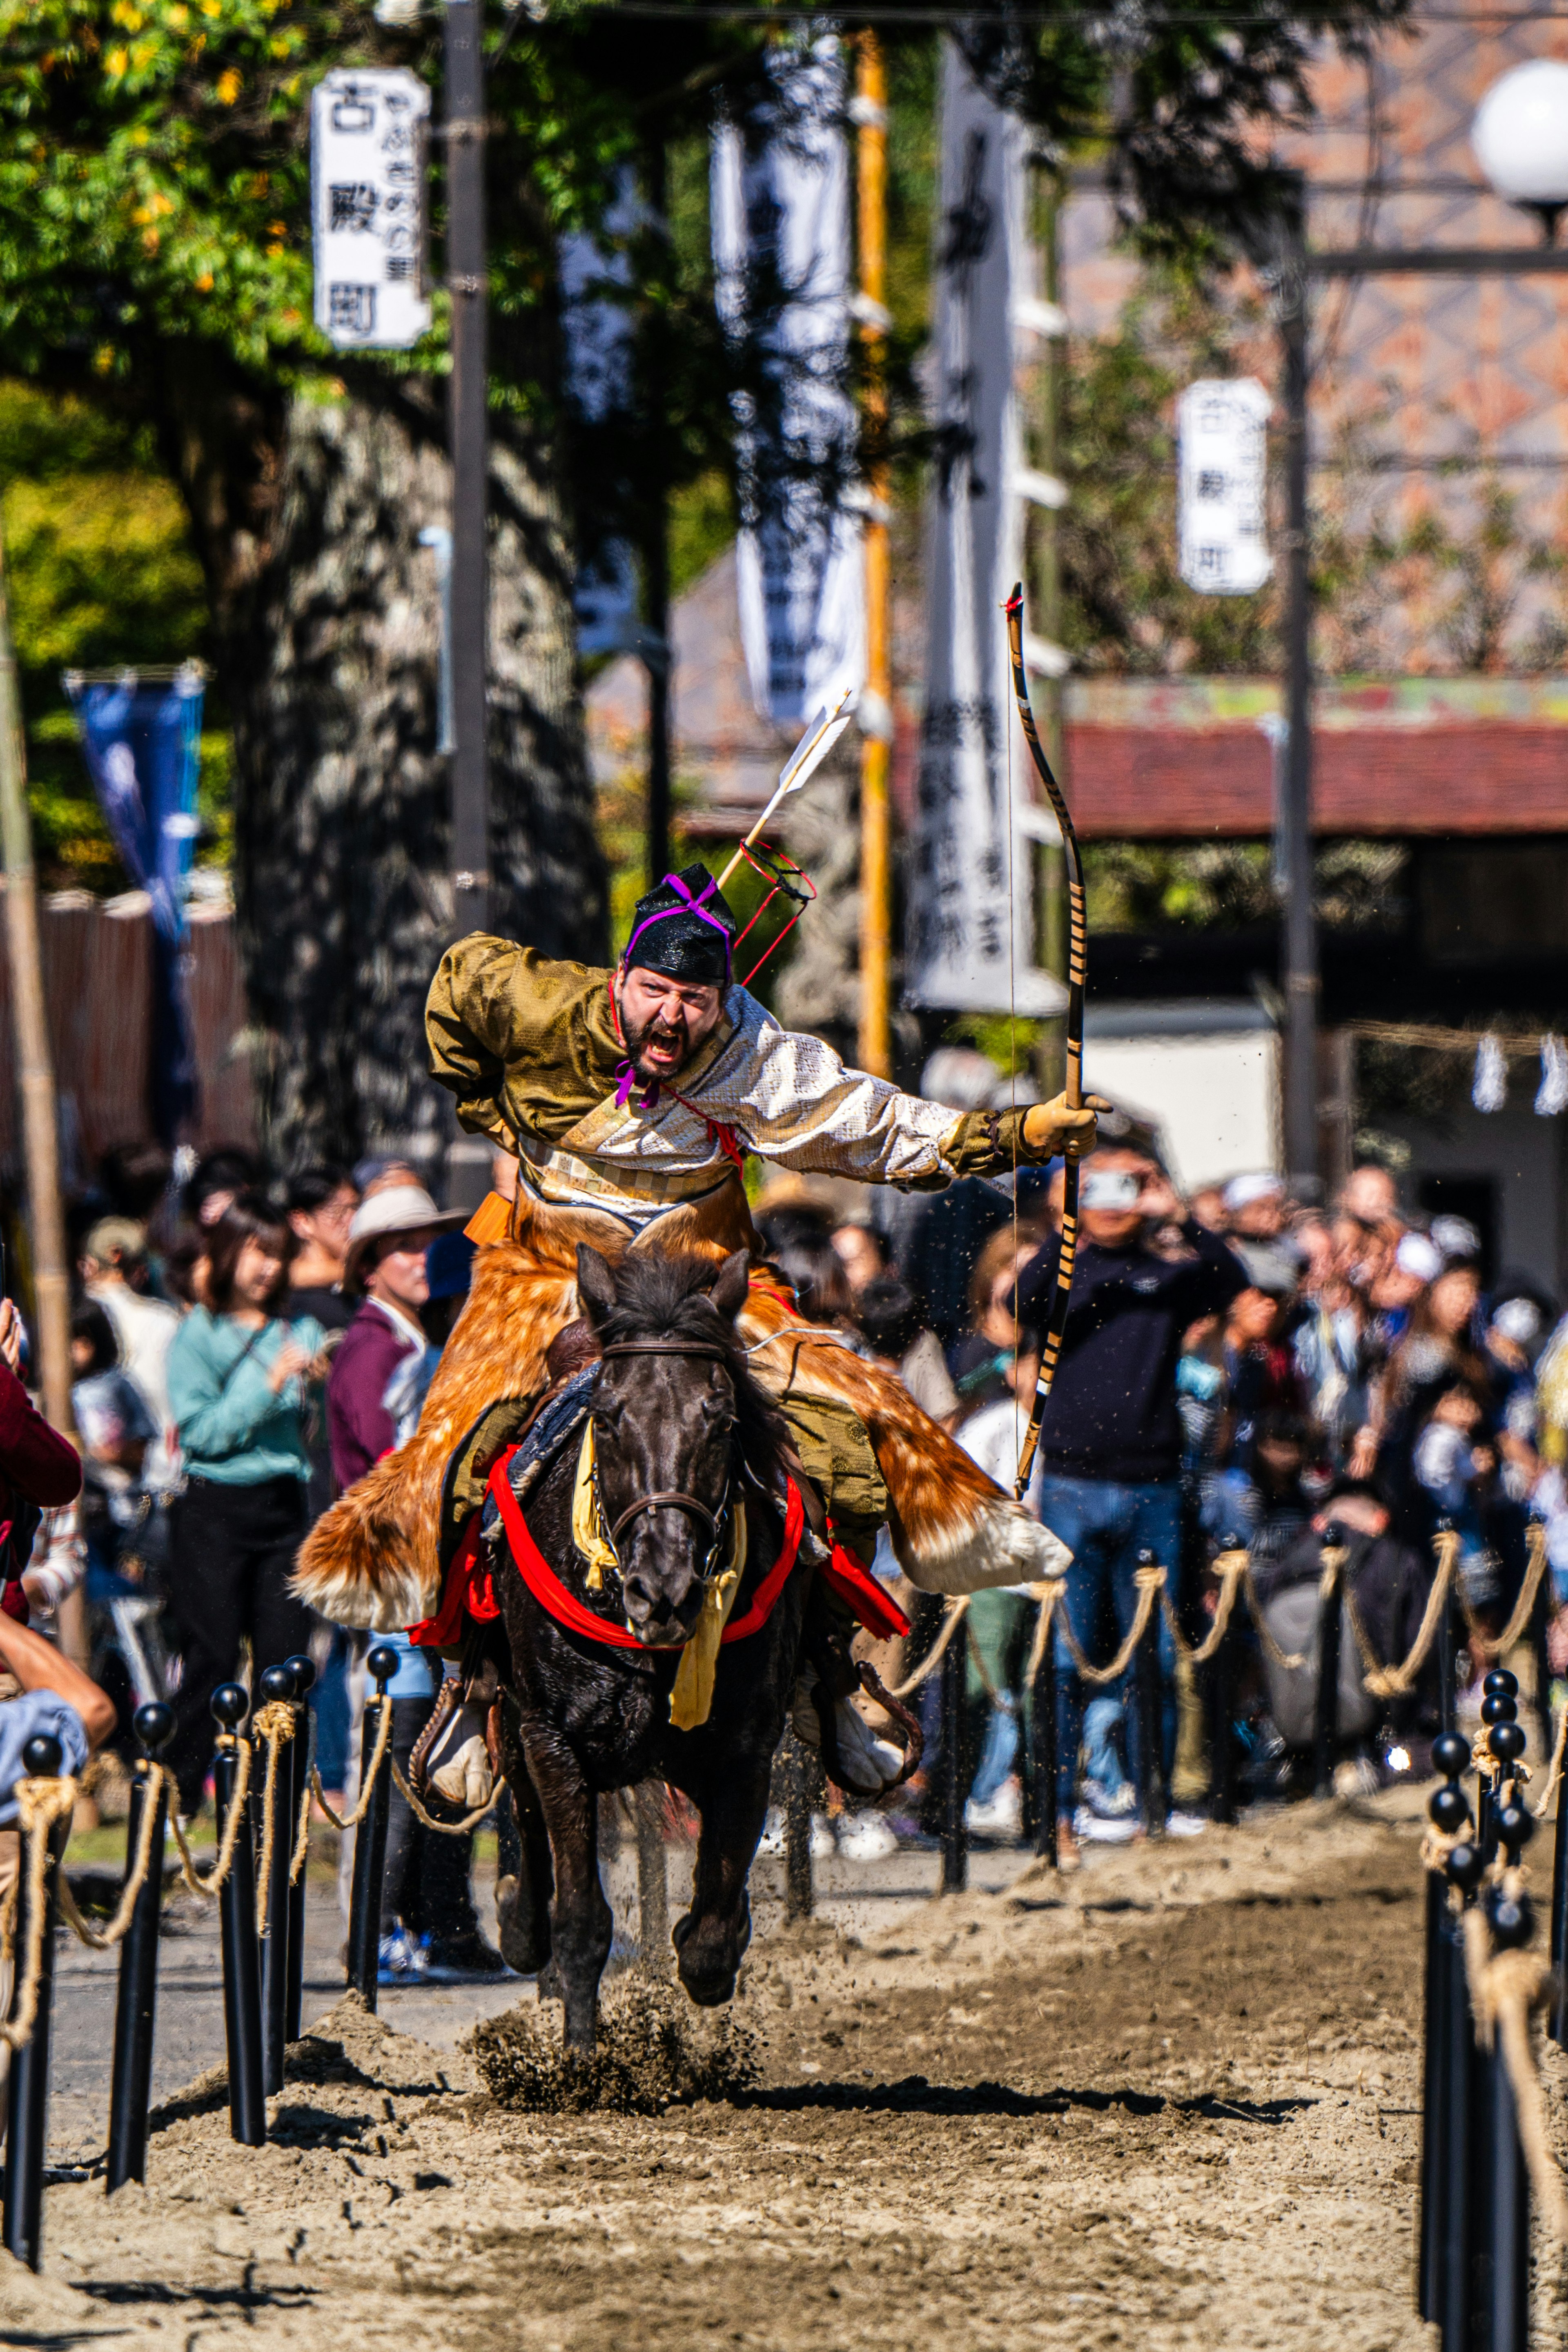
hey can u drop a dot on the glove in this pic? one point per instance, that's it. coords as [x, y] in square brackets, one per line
[1052, 1127]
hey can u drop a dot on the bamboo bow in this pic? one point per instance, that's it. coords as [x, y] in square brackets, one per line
[1077, 950]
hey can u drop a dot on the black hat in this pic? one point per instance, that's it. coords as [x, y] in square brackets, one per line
[685, 929]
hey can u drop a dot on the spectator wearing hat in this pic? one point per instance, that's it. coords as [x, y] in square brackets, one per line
[238, 1371]
[1255, 1206]
[412, 1269]
[113, 1268]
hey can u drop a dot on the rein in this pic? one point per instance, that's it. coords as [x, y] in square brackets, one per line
[672, 1499]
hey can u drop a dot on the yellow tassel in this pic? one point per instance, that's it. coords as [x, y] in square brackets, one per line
[693, 1695]
[587, 1528]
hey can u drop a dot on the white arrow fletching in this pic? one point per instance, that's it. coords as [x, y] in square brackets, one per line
[801, 765]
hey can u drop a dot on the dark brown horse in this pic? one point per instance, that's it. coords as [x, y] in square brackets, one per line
[684, 1438]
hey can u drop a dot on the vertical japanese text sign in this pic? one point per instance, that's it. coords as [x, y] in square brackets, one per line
[367, 193]
[1222, 484]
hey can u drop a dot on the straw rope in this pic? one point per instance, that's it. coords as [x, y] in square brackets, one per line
[956, 1610]
[41, 1802]
[1230, 1567]
[1289, 1662]
[367, 1779]
[1506, 1989]
[1392, 1682]
[1523, 1608]
[208, 1888]
[1049, 1591]
[103, 1939]
[274, 1723]
[448, 1829]
[1150, 1583]
[1554, 1773]
[302, 1827]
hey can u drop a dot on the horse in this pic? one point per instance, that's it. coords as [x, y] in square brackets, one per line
[683, 1438]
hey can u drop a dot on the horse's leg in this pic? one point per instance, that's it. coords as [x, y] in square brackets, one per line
[523, 1904]
[711, 1939]
[581, 1924]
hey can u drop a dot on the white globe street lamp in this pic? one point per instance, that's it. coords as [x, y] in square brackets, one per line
[1520, 138]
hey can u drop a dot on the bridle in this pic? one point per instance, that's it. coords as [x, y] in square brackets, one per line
[670, 1498]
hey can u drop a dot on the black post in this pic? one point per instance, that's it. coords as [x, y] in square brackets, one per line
[1558, 2026]
[27, 2124]
[1505, 2265]
[277, 1683]
[1293, 822]
[131, 2083]
[370, 1838]
[468, 428]
[304, 1675]
[1151, 1777]
[1045, 1795]
[1450, 1813]
[954, 1836]
[1447, 1697]
[1538, 1617]
[1463, 2181]
[237, 1918]
[1326, 1727]
[1500, 1706]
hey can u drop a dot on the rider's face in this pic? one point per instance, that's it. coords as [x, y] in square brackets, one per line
[664, 1021]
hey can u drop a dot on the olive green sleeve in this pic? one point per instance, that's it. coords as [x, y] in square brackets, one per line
[990, 1143]
[509, 1035]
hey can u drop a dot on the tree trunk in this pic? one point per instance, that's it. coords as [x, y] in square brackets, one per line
[327, 624]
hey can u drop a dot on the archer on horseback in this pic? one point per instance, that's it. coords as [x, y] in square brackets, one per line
[629, 1098]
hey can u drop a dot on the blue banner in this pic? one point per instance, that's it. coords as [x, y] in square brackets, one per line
[142, 746]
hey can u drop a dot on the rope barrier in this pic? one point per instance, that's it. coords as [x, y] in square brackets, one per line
[103, 1939]
[1506, 1989]
[209, 1887]
[1523, 1608]
[1150, 1583]
[1230, 1568]
[40, 1803]
[1289, 1662]
[1049, 1591]
[956, 1610]
[1392, 1682]
[367, 1779]
[447, 1829]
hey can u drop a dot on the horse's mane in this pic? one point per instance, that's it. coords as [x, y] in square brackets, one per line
[666, 1297]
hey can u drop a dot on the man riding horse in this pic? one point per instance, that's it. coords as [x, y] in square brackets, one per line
[629, 1098]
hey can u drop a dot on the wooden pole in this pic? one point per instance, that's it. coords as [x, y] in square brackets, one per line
[35, 1063]
[875, 1050]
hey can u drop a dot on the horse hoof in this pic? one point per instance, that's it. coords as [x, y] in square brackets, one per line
[522, 1929]
[709, 1988]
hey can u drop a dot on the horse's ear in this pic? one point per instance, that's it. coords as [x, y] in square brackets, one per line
[596, 1285]
[729, 1291]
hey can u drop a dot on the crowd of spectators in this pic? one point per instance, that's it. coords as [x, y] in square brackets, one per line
[1241, 1370]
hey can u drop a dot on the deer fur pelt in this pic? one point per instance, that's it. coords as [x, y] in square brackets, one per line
[372, 1558]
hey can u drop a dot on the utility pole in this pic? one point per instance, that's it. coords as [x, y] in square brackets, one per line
[876, 713]
[35, 1077]
[656, 553]
[467, 429]
[1294, 816]
[467, 605]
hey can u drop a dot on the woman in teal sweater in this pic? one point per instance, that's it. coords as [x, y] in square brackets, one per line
[237, 1375]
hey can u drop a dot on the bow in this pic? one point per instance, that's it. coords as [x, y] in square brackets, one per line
[1076, 949]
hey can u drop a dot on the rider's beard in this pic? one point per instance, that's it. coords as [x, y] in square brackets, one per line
[655, 1031]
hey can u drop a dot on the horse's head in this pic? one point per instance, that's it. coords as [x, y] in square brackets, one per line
[665, 1407]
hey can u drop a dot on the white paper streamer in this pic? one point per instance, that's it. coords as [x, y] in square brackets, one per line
[1489, 1091]
[1552, 1095]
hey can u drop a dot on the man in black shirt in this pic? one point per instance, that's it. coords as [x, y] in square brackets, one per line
[1110, 1443]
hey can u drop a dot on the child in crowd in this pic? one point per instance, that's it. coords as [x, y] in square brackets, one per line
[1456, 1467]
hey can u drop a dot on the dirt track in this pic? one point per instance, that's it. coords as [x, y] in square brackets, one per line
[1170, 2102]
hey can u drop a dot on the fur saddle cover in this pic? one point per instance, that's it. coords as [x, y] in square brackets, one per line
[378, 1557]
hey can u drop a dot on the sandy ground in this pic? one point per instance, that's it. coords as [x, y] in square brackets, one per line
[1169, 2101]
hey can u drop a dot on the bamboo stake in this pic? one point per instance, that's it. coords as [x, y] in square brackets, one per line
[35, 1063]
[875, 709]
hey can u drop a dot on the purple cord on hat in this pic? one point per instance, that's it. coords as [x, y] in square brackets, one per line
[691, 907]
